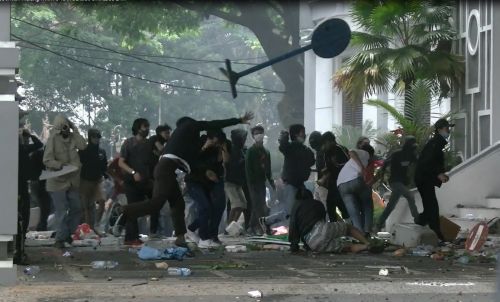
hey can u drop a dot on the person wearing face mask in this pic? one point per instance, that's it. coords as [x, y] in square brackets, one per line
[296, 171]
[135, 161]
[430, 173]
[400, 161]
[258, 171]
[62, 149]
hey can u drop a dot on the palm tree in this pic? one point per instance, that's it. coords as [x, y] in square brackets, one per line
[402, 41]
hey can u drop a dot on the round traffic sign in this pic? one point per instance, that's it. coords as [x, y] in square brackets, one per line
[331, 38]
[477, 237]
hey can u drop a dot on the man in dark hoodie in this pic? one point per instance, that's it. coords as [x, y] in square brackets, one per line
[430, 173]
[399, 162]
[180, 153]
[235, 174]
[94, 166]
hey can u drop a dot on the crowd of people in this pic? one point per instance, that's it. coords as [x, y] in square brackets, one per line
[223, 181]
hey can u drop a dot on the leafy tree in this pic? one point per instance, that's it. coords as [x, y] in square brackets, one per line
[401, 42]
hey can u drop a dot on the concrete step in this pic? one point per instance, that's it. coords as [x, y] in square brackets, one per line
[478, 212]
[493, 202]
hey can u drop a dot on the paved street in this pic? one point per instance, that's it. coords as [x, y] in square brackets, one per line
[220, 276]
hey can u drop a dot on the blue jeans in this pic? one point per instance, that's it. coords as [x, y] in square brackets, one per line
[286, 203]
[357, 197]
[67, 212]
[210, 206]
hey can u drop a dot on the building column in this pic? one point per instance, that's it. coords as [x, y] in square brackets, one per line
[9, 123]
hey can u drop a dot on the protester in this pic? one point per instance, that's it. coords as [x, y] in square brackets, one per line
[94, 167]
[354, 191]
[205, 184]
[400, 162]
[316, 143]
[159, 221]
[180, 153]
[235, 174]
[62, 149]
[258, 171]
[307, 224]
[430, 173]
[296, 171]
[135, 161]
[336, 156]
[23, 206]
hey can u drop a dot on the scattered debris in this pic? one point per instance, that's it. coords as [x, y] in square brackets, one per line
[400, 252]
[463, 259]
[281, 230]
[110, 279]
[32, 270]
[440, 284]
[437, 256]
[383, 272]
[276, 247]
[257, 294]
[423, 250]
[161, 265]
[141, 283]
[155, 279]
[104, 264]
[236, 248]
[67, 254]
[39, 235]
[179, 271]
[149, 253]
[384, 235]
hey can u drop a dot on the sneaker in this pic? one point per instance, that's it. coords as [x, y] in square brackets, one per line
[181, 242]
[207, 244]
[118, 228]
[136, 242]
[192, 236]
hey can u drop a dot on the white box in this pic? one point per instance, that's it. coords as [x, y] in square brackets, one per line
[412, 235]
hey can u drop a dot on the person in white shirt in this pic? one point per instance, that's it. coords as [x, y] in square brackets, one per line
[354, 191]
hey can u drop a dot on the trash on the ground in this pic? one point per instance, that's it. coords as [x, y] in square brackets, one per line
[477, 237]
[276, 247]
[110, 279]
[83, 231]
[383, 272]
[141, 283]
[39, 235]
[179, 271]
[31, 270]
[281, 230]
[228, 265]
[133, 250]
[449, 229]
[437, 256]
[161, 265]
[58, 267]
[384, 235]
[257, 294]
[234, 229]
[155, 279]
[149, 253]
[463, 259]
[400, 252]
[405, 269]
[423, 250]
[86, 242]
[236, 248]
[104, 264]
[67, 254]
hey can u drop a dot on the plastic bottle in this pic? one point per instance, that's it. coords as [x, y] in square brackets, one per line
[463, 260]
[104, 264]
[179, 271]
[32, 270]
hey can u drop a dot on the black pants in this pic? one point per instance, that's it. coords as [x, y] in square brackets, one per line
[23, 213]
[430, 215]
[165, 188]
[334, 201]
[42, 198]
[136, 193]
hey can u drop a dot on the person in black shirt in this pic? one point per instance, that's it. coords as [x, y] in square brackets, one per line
[235, 174]
[307, 224]
[94, 166]
[180, 153]
[399, 162]
[430, 173]
[335, 156]
[135, 161]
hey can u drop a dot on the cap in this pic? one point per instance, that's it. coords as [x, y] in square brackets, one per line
[94, 133]
[442, 123]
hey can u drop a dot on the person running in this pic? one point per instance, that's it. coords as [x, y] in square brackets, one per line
[235, 174]
[94, 167]
[180, 153]
[308, 224]
[354, 191]
[296, 171]
[61, 149]
[430, 173]
[135, 161]
[400, 162]
[258, 172]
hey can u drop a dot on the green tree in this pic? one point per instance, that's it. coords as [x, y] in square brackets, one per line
[401, 41]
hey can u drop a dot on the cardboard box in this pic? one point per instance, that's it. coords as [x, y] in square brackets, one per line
[449, 229]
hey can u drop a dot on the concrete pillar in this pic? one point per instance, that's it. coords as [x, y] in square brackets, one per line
[9, 121]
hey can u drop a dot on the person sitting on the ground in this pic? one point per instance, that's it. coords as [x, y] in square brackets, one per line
[308, 224]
